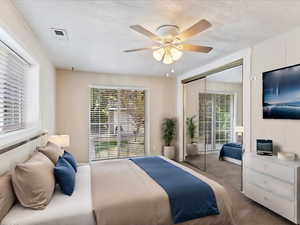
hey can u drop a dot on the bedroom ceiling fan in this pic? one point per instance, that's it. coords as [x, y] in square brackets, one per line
[169, 41]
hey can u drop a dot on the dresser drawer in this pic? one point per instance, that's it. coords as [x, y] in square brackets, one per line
[277, 204]
[273, 185]
[254, 192]
[276, 170]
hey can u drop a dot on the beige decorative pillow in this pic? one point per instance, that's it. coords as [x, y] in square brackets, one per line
[34, 182]
[38, 156]
[52, 151]
[7, 195]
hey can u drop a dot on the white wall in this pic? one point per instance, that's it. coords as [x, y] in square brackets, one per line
[274, 53]
[73, 105]
[14, 24]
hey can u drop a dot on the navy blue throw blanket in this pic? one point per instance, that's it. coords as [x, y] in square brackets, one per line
[189, 197]
[232, 150]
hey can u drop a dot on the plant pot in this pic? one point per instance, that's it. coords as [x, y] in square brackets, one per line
[169, 152]
[192, 149]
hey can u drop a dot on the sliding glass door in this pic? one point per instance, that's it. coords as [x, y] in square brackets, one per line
[216, 120]
[117, 123]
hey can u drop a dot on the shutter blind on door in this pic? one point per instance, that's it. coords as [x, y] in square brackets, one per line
[12, 75]
[117, 123]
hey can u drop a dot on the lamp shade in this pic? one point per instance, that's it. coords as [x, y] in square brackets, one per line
[176, 54]
[239, 129]
[60, 140]
[159, 54]
[167, 55]
[64, 141]
[54, 139]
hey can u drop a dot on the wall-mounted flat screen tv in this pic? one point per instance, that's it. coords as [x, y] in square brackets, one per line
[281, 93]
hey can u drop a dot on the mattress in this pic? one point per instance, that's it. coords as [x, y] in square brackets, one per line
[62, 210]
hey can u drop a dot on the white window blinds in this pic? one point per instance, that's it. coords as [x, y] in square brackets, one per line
[216, 120]
[12, 75]
[117, 123]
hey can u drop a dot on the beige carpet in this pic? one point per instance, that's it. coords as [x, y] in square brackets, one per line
[223, 170]
[247, 212]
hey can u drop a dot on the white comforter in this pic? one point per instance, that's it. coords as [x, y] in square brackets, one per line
[62, 210]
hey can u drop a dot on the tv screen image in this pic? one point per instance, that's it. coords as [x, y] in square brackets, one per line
[281, 93]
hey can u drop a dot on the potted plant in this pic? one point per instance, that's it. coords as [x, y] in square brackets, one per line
[192, 148]
[168, 129]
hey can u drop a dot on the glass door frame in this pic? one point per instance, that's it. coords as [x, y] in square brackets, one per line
[147, 115]
[204, 76]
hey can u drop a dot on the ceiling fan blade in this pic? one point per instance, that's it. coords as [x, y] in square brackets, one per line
[194, 48]
[195, 29]
[144, 31]
[142, 49]
[137, 49]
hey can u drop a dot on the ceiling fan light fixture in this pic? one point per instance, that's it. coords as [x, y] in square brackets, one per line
[170, 41]
[176, 54]
[159, 54]
[167, 55]
[168, 59]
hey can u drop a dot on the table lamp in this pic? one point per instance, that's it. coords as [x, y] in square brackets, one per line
[61, 140]
[239, 130]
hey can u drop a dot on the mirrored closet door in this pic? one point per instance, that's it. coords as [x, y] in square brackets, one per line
[213, 114]
[195, 138]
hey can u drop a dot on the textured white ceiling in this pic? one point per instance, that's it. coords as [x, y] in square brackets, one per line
[99, 30]
[233, 75]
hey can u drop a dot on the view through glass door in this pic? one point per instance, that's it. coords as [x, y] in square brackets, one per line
[117, 123]
[216, 120]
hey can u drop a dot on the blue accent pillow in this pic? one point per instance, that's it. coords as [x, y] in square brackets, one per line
[70, 158]
[65, 176]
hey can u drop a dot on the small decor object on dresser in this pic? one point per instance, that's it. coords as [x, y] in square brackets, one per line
[288, 156]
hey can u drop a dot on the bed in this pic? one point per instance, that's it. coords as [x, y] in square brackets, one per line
[104, 196]
[62, 210]
[231, 152]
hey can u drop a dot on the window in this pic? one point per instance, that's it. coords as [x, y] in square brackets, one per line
[117, 123]
[216, 119]
[12, 85]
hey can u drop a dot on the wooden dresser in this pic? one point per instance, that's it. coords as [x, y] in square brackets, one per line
[274, 184]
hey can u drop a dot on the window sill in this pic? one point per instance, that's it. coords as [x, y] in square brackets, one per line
[15, 137]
